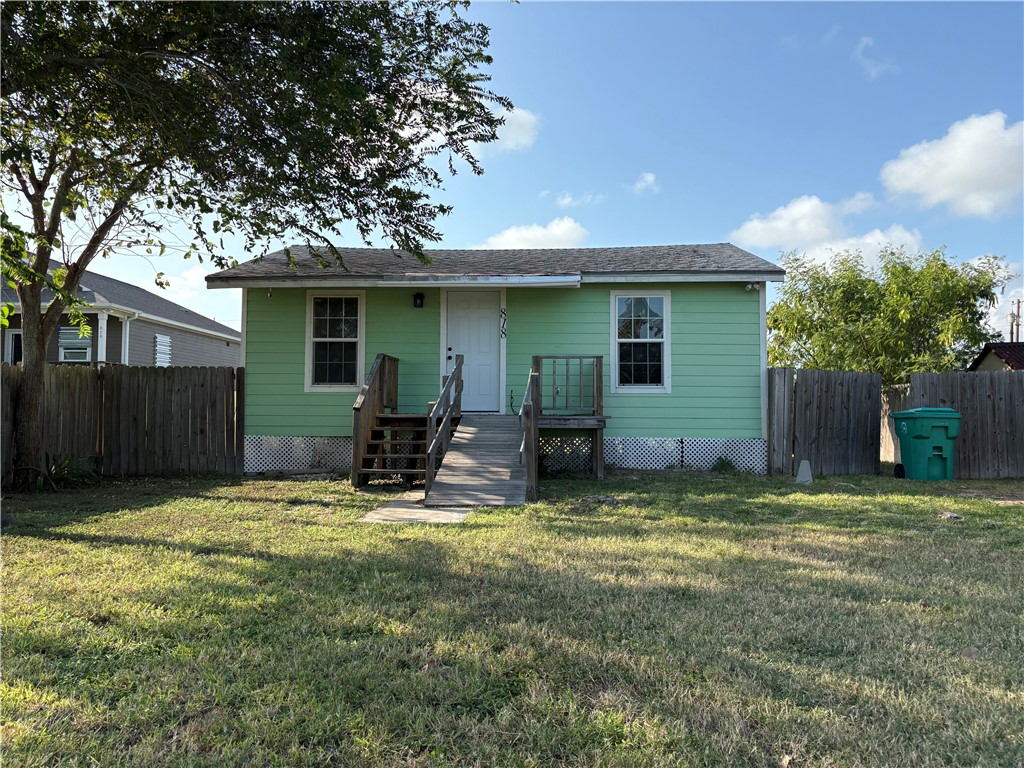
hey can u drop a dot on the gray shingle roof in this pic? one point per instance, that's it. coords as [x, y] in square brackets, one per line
[102, 290]
[383, 262]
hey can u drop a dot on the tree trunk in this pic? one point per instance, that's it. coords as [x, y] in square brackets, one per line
[28, 416]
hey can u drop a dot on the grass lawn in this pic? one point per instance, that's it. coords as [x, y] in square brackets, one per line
[703, 620]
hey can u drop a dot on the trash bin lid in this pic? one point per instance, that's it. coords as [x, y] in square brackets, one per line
[941, 413]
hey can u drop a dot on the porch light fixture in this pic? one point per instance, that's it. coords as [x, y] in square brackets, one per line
[417, 300]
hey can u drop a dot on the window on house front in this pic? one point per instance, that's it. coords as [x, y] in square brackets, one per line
[12, 349]
[72, 347]
[641, 341]
[162, 350]
[335, 343]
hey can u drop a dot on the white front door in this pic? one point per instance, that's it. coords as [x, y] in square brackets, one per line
[473, 332]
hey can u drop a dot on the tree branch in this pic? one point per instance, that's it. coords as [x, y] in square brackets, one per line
[34, 200]
[92, 248]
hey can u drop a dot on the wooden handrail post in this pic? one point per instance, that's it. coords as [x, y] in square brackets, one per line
[380, 391]
[440, 413]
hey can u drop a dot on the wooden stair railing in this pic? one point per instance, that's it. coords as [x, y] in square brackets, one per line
[377, 396]
[569, 394]
[529, 413]
[443, 413]
[570, 385]
[385, 442]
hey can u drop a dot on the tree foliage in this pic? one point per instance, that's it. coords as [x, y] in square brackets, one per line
[912, 313]
[268, 120]
[264, 117]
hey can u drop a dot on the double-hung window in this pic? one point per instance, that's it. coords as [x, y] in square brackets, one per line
[72, 347]
[334, 342]
[641, 350]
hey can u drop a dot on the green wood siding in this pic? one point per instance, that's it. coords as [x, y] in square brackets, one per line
[715, 336]
[716, 343]
[275, 355]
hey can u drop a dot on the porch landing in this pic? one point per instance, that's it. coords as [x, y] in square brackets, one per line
[481, 467]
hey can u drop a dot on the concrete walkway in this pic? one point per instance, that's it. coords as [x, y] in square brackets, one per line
[413, 511]
[408, 508]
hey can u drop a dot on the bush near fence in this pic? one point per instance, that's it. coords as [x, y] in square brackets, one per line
[128, 420]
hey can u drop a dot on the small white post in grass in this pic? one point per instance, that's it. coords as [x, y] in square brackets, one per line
[803, 475]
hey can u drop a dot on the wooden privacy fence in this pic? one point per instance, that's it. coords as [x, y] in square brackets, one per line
[807, 411]
[829, 418]
[122, 420]
[991, 404]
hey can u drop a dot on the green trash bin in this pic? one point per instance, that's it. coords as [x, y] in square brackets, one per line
[927, 437]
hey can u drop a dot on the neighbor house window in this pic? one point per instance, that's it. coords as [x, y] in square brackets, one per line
[334, 348]
[72, 347]
[12, 349]
[640, 345]
[162, 350]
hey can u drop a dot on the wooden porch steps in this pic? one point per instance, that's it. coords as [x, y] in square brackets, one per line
[481, 468]
[396, 446]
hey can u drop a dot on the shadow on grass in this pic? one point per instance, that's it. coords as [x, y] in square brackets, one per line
[547, 635]
[869, 505]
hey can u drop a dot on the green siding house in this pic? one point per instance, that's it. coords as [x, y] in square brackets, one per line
[681, 330]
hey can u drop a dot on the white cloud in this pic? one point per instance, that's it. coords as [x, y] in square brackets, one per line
[184, 287]
[188, 288]
[829, 36]
[566, 200]
[976, 169]
[869, 244]
[816, 228]
[563, 232]
[873, 68]
[801, 223]
[859, 203]
[646, 182]
[519, 131]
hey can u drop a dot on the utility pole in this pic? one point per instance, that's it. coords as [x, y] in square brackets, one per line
[1015, 320]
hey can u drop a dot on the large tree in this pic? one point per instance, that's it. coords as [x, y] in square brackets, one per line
[267, 120]
[912, 313]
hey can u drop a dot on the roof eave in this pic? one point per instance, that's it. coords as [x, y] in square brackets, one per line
[121, 311]
[440, 281]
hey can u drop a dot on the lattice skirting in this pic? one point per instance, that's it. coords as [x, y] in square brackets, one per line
[572, 454]
[558, 454]
[266, 453]
[747, 455]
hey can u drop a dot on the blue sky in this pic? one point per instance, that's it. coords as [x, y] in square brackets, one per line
[803, 126]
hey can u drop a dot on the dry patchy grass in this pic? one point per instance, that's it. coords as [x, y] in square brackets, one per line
[701, 620]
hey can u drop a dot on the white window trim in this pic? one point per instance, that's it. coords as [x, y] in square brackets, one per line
[9, 344]
[361, 342]
[631, 389]
[79, 343]
[61, 358]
